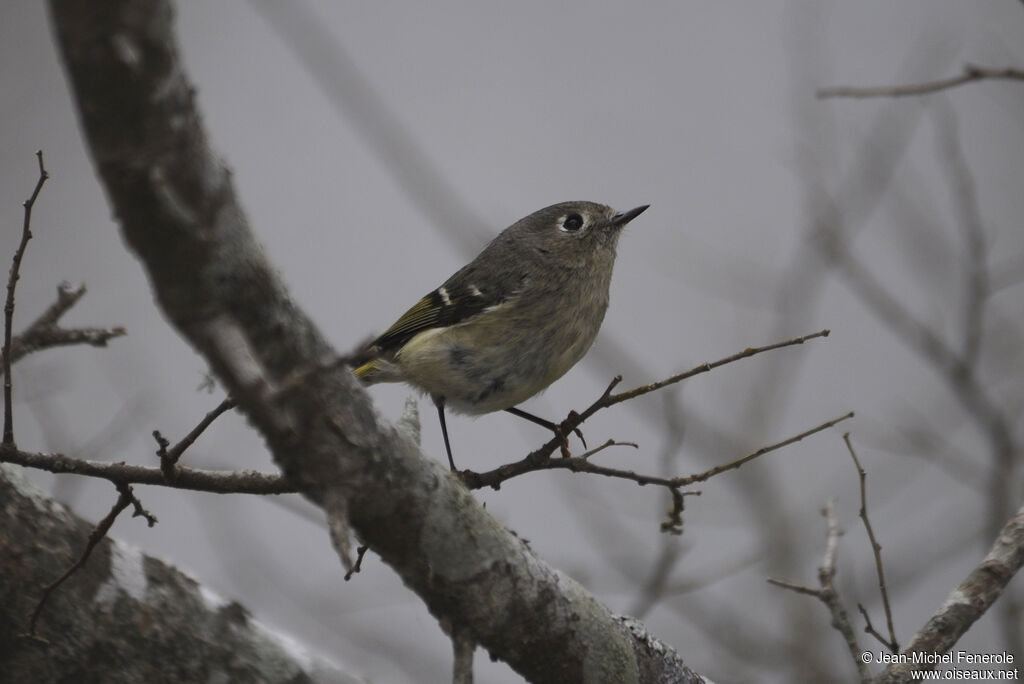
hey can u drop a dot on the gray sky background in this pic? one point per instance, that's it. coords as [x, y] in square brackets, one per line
[706, 111]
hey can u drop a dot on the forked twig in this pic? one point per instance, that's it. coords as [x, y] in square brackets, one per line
[125, 498]
[541, 458]
[169, 457]
[827, 594]
[45, 333]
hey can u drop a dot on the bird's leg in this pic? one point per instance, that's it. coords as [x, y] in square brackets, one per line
[439, 402]
[557, 429]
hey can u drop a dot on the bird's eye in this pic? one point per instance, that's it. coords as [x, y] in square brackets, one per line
[572, 223]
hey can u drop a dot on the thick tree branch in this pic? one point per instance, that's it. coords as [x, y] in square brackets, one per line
[178, 212]
[191, 634]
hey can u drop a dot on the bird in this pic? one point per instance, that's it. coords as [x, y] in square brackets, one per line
[510, 322]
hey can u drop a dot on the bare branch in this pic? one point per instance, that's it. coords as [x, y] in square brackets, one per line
[794, 587]
[762, 451]
[44, 333]
[892, 644]
[607, 399]
[870, 628]
[125, 497]
[827, 594]
[217, 482]
[12, 280]
[607, 445]
[539, 461]
[358, 564]
[580, 464]
[970, 74]
[967, 603]
[704, 368]
[169, 457]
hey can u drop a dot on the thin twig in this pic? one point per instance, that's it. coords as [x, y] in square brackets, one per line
[26, 235]
[869, 628]
[494, 478]
[358, 564]
[761, 452]
[673, 523]
[827, 594]
[971, 73]
[606, 445]
[169, 457]
[169, 473]
[607, 399]
[575, 419]
[44, 333]
[826, 577]
[704, 368]
[892, 644]
[794, 587]
[67, 297]
[194, 479]
[125, 497]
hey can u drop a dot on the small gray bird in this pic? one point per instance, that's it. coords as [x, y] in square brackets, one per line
[512, 321]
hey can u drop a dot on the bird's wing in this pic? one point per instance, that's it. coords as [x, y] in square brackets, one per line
[462, 297]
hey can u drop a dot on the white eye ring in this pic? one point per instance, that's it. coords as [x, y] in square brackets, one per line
[572, 223]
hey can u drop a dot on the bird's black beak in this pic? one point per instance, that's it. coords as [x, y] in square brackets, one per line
[627, 216]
